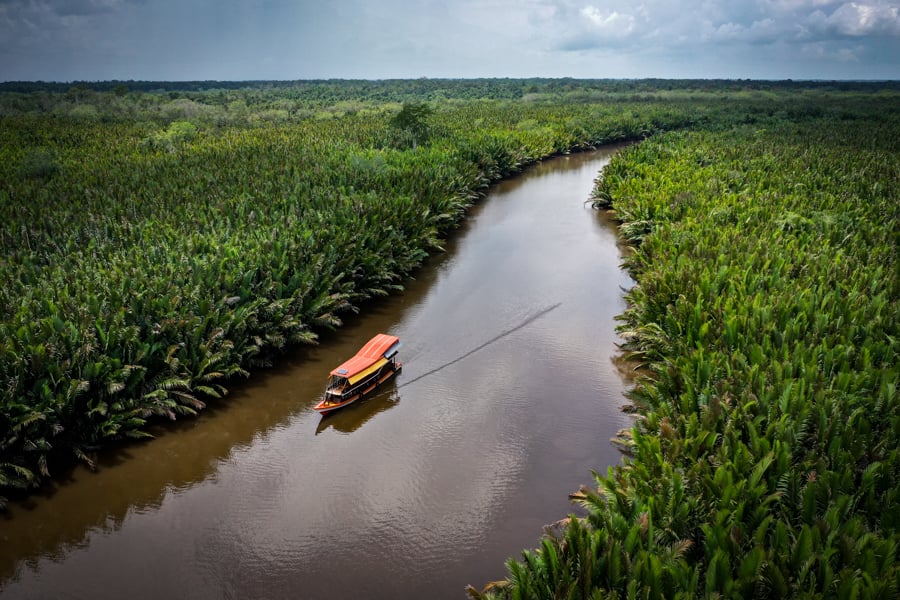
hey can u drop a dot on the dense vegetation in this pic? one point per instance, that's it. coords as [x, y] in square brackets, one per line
[764, 459]
[151, 252]
[440, 89]
[157, 241]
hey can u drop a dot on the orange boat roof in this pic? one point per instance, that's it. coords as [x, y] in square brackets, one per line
[372, 352]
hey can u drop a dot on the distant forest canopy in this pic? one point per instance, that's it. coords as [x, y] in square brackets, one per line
[498, 88]
[261, 103]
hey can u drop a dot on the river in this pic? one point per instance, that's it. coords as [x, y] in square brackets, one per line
[507, 400]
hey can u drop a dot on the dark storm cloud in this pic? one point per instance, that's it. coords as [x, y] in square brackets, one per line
[53, 12]
[283, 39]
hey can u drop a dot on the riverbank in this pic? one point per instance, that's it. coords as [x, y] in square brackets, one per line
[507, 398]
[766, 457]
[147, 265]
[205, 210]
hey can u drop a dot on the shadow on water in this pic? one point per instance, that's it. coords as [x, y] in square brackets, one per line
[493, 340]
[351, 418]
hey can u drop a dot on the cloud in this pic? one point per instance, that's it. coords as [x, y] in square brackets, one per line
[764, 31]
[48, 10]
[36, 29]
[83, 7]
[820, 51]
[624, 25]
[258, 39]
[858, 19]
[23, 19]
[788, 6]
[829, 20]
[609, 22]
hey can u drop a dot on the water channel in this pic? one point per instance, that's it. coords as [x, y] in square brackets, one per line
[508, 398]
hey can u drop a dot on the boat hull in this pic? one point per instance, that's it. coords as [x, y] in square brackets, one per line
[331, 403]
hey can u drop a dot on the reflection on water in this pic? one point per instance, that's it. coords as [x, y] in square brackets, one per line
[430, 485]
[348, 420]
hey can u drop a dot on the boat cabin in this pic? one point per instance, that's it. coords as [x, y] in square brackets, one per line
[375, 363]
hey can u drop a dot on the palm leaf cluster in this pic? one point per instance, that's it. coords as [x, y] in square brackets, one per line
[764, 461]
[139, 277]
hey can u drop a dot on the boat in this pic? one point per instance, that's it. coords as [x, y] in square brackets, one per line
[375, 363]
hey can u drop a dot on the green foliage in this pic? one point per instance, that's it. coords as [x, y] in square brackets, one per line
[412, 122]
[39, 163]
[177, 134]
[173, 257]
[765, 461]
[181, 131]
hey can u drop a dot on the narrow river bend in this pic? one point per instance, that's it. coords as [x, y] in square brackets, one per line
[428, 487]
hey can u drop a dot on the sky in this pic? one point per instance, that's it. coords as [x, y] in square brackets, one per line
[179, 40]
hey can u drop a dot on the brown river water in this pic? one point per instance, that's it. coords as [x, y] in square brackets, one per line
[508, 397]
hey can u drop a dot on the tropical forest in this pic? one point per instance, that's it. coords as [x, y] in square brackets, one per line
[165, 246]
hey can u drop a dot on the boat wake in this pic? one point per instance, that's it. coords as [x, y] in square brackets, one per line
[496, 338]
